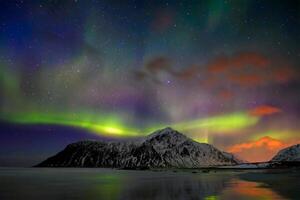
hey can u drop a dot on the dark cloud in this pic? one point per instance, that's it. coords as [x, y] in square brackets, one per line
[239, 60]
[153, 68]
[250, 69]
[188, 73]
[163, 20]
[158, 64]
[284, 74]
[139, 75]
[243, 69]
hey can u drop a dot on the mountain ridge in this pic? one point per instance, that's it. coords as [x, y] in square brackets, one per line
[165, 148]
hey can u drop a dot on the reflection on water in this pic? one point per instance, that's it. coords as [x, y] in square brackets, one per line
[132, 185]
[240, 189]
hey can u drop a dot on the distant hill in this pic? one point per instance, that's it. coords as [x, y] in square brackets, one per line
[291, 153]
[166, 148]
[285, 158]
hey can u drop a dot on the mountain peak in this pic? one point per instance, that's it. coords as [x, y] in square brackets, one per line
[168, 128]
[167, 132]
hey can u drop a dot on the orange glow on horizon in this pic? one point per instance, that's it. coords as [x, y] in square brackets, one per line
[260, 150]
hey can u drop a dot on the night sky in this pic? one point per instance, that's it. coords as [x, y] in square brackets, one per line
[221, 72]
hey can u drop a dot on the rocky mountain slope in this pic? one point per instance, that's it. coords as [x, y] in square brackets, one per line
[234, 157]
[288, 154]
[164, 148]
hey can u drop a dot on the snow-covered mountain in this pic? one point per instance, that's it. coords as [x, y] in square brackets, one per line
[289, 154]
[164, 148]
[234, 157]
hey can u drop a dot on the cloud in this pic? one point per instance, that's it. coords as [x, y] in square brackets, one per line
[158, 64]
[264, 110]
[242, 69]
[259, 150]
[246, 79]
[163, 20]
[249, 69]
[153, 69]
[219, 65]
[283, 74]
[139, 75]
[266, 141]
[244, 59]
[226, 94]
[240, 60]
[187, 73]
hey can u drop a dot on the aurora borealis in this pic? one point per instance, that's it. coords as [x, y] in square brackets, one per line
[221, 72]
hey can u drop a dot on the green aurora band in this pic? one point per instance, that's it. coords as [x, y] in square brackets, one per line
[106, 124]
[113, 126]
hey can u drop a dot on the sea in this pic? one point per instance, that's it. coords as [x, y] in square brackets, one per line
[114, 184]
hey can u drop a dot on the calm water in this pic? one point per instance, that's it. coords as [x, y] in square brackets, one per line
[36, 183]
